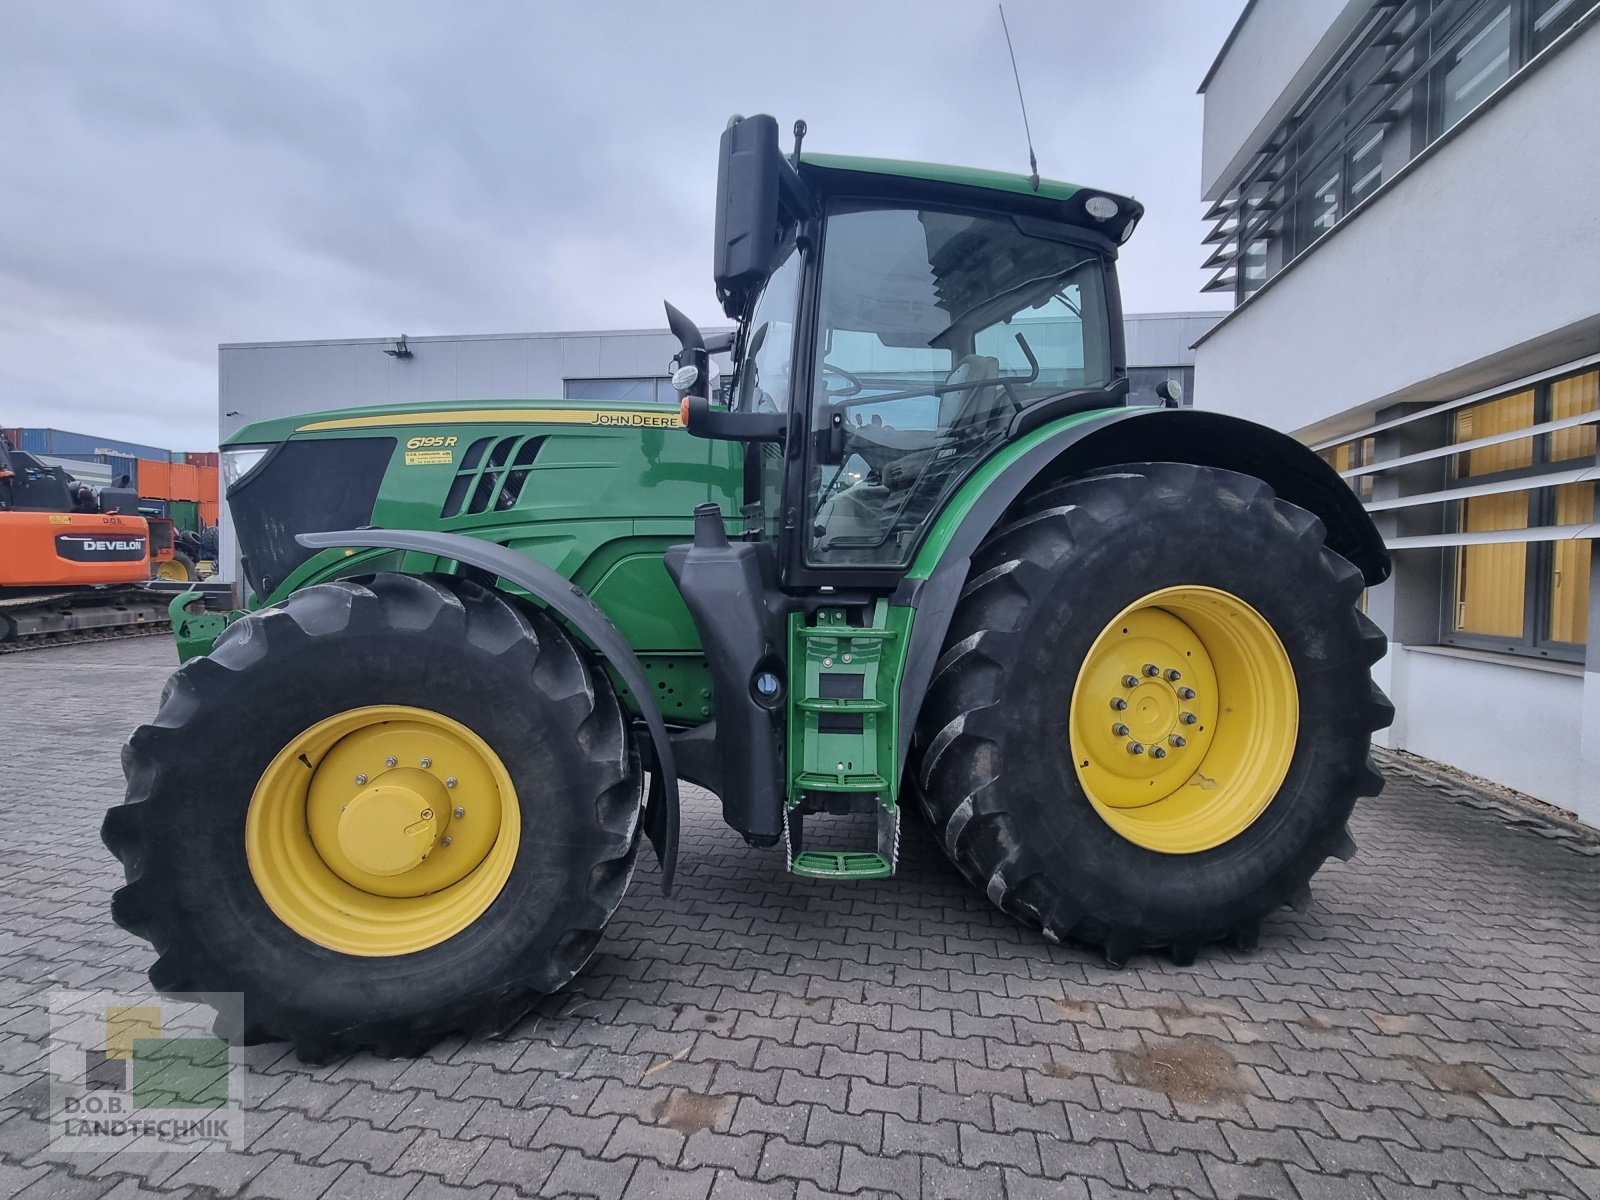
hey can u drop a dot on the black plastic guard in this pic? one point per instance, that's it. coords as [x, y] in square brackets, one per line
[727, 587]
[567, 600]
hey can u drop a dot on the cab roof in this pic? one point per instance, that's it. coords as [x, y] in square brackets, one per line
[1000, 181]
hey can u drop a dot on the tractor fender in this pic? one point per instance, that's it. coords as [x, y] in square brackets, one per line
[1082, 443]
[580, 612]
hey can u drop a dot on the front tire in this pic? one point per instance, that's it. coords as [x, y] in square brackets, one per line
[179, 568]
[1054, 757]
[279, 841]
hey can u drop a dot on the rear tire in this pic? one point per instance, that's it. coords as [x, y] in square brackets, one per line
[441, 645]
[998, 772]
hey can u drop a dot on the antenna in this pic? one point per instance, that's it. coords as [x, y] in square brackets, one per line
[1033, 163]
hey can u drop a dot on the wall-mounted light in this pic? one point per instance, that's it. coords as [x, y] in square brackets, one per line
[398, 348]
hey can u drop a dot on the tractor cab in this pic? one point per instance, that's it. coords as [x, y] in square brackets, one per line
[27, 485]
[897, 324]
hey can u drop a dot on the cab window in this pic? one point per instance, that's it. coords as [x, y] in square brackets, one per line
[935, 329]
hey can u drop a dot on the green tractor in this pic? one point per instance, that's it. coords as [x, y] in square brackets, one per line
[921, 552]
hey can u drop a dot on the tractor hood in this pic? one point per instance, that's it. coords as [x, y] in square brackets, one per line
[540, 475]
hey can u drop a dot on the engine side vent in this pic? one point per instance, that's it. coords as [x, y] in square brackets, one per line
[491, 475]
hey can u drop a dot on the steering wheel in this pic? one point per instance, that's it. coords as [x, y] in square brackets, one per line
[853, 382]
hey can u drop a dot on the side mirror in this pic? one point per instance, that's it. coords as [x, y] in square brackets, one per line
[692, 381]
[758, 194]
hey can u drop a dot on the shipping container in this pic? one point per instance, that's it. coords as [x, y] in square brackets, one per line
[185, 514]
[210, 513]
[122, 464]
[155, 479]
[185, 482]
[201, 458]
[66, 444]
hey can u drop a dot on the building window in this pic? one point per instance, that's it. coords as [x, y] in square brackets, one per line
[1479, 62]
[1365, 166]
[1350, 456]
[632, 391]
[1523, 596]
[1320, 206]
[1552, 18]
[1410, 72]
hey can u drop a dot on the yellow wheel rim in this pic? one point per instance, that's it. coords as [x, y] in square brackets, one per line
[382, 830]
[1183, 719]
[172, 569]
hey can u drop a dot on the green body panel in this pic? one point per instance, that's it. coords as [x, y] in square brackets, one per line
[1003, 181]
[612, 486]
[955, 510]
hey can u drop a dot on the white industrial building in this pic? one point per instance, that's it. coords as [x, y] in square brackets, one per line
[1405, 198]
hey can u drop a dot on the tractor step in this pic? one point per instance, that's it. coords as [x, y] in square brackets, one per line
[813, 782]
[841, 864]
[844, 864]
[843, 738]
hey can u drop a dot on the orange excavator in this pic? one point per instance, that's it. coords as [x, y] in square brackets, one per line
[72, 556]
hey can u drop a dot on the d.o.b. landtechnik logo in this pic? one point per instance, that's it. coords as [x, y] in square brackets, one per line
[143, 1073]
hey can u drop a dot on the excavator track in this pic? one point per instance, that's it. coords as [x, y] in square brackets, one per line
[34, 620]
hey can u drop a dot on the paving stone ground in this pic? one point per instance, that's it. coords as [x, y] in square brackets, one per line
[1431, 1026]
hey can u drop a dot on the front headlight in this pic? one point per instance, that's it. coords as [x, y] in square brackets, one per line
[239, 462]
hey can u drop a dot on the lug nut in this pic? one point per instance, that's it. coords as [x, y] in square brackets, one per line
[461, 812]
[445, 840]
[1177, 741]
[1135, 748]
[1157, 752]
[1188, 718]
[360, 779]
[1173, 676]
[391, 761]
[1152, 670]
[1130, 681]
[426, 763]
[1186, 693]
[1119, 730]
[450, 782]
[1118, 704]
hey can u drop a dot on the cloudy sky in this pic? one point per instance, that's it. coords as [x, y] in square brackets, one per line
[182, 174]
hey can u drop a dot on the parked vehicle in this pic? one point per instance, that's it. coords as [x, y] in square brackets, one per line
[926, 554]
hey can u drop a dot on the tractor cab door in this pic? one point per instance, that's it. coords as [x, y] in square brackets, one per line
[934, 329]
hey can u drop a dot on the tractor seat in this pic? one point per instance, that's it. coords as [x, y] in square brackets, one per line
[974, 408]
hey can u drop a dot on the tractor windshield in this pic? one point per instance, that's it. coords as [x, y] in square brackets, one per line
[935, 329]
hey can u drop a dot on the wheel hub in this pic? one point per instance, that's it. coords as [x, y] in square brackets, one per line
[382, 830]
[392, 826]
[1157, 685]
[1183, 719]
